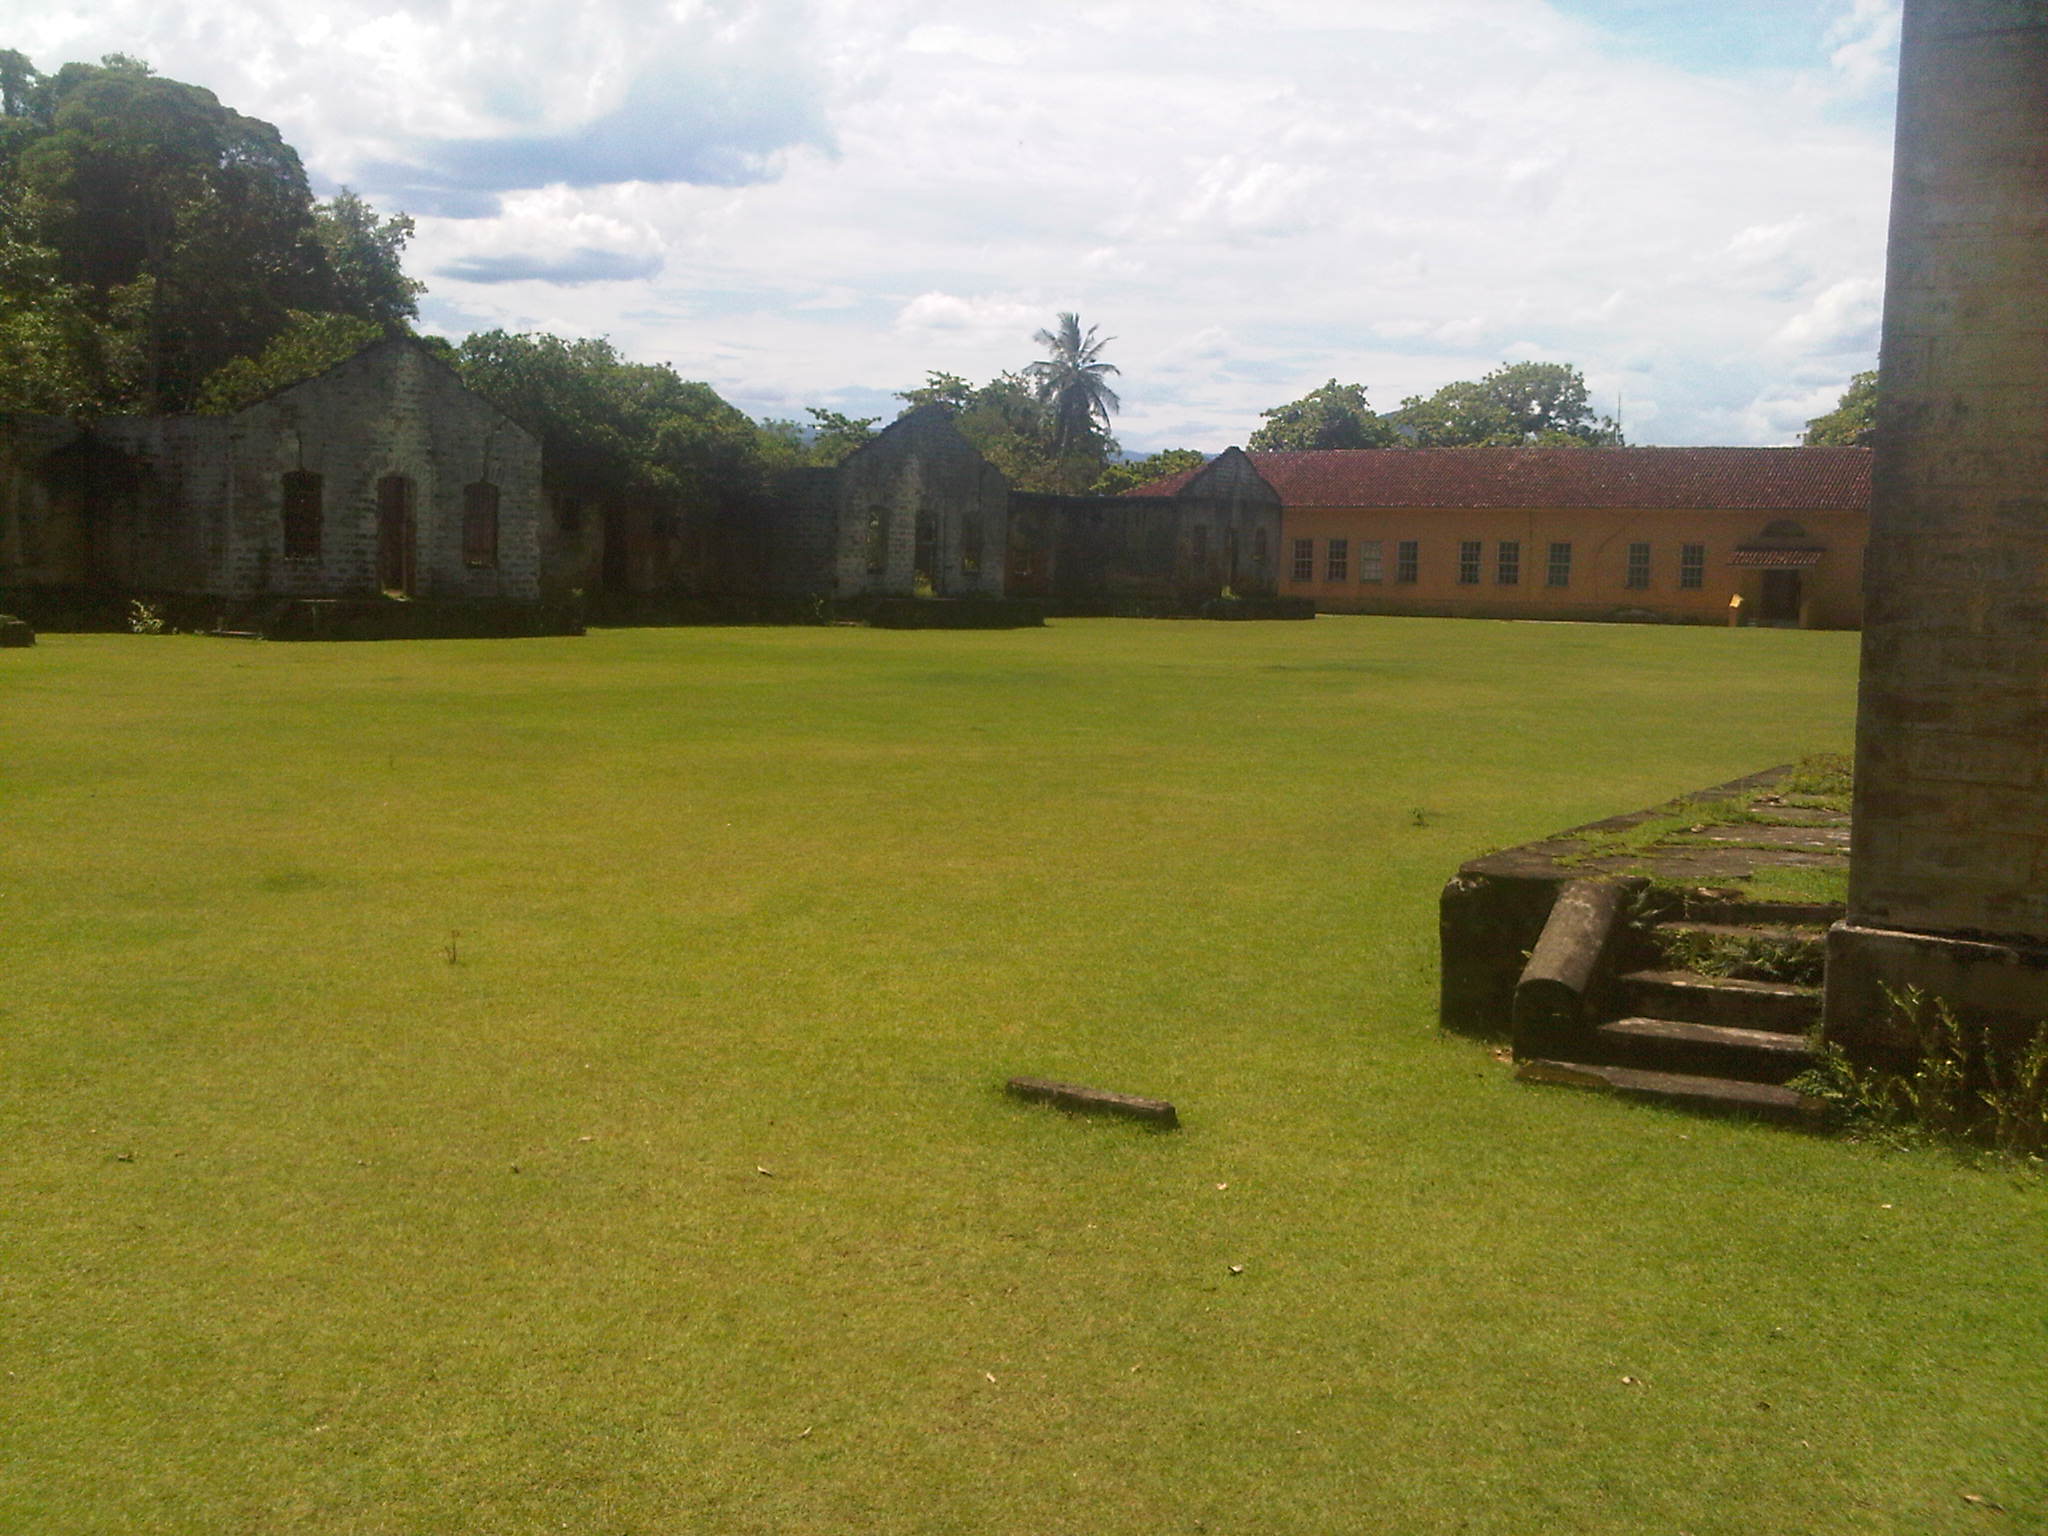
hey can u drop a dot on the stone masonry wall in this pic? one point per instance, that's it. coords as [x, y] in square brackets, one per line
[801, 531]
[1951, 819]
[212, 518]
[920, 466]
[41, 533]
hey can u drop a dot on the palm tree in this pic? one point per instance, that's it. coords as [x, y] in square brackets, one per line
[1073, 384]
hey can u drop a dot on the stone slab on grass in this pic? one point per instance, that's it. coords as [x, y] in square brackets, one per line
[1093, 1100]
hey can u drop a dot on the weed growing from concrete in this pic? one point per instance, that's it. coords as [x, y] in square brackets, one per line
[1966, 1087]
[1755, 956]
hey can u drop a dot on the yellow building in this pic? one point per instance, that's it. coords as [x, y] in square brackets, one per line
[1577, 533]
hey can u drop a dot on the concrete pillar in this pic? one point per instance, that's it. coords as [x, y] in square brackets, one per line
[1949, 884]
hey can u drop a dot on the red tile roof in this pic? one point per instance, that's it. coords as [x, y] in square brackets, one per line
[1735, 479]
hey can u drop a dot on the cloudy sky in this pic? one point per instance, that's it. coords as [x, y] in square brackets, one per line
[815, 202]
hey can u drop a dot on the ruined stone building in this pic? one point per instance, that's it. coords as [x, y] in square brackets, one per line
[385, 483]
[1217, 531]
[918, 512]
[384, 475]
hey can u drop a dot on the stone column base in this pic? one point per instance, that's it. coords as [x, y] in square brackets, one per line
[2001, 985]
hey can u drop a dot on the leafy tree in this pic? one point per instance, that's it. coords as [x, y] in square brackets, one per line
[141, 177]
[171, 232]
[1072, 384]
[1132, 473]
[365, 261]
[947, 389]
[1009, 423]
[834, 435]
[783, 443]
[1333, 416]
[58, 354]
[1853, 422]
[1460, 415]
[1516, 405]
[19, 79]
[309, 344]
[635, 432]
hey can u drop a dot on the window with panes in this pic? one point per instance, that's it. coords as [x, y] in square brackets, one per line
[1692, 566]
[1638, 566]
[1560, 574]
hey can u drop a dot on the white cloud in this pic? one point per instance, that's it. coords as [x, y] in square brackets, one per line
[1863, 44]
[818, 201]
[1842, 318]
[996, 317]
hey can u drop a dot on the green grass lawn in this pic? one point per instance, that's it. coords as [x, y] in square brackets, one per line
[304, 1228]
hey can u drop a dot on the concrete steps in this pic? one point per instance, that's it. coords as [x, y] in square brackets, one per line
[1719, 1043]
[1783, 1006]
[1709, 1095]
[1707, 1050]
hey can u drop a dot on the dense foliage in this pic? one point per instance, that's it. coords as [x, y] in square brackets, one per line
[1853, 421]
[1045, 426]
[1332, 416]
[1517, 405]
[618, 429]
[1132, 473]
[150, 236]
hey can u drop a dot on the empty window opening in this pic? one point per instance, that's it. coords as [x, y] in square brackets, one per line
[878, 540]
[480, 524]
[925, 561]
[1259, 550]
[301, 515]
[970, 546]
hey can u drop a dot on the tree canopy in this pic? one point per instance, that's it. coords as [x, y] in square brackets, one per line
[1516, 405]
[630, 431]
[1013, 421]
[1331, 416]
[1132, 473]
[1853, 421]
[152, 236]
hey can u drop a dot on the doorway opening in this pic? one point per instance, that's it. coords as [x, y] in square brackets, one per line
[1781, 599]
[397, 537]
